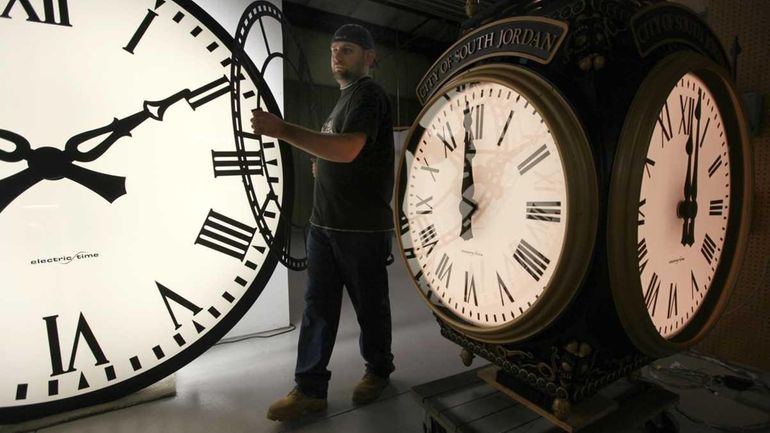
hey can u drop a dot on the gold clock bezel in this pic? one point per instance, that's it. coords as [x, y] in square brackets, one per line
[625, 187]
[582, 198]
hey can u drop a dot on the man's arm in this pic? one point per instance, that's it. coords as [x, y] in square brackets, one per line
[331, 147]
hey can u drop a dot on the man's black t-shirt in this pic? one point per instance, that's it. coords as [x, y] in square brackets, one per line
[356, 196]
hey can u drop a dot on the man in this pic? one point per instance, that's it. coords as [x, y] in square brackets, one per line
[350, 227]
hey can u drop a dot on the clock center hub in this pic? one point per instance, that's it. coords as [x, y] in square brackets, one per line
[48, 162]
[687, 209]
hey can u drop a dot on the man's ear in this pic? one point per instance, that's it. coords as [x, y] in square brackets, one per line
[371, 58]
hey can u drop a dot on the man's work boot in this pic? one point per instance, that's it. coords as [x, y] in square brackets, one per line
[369, 388]
[294, 405]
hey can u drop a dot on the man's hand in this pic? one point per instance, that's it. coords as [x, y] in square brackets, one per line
[331, 147]
[265, 123]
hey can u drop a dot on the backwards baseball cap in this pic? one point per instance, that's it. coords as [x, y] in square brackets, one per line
[355, 34]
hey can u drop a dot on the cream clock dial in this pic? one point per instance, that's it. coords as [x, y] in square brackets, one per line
[487, 201]
[684, 205]
[679, 204]
[496, 182]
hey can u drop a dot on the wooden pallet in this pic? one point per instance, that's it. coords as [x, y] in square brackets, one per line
[474, 402]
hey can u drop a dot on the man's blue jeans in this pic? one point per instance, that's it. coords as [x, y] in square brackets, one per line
[356, 260]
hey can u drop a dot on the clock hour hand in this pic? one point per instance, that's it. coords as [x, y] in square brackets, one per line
[468, 206]
[22, 148]
[12, 186]
[694, 179]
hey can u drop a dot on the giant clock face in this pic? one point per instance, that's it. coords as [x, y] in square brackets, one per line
[130, 206]
[484, 193]
[684, 205]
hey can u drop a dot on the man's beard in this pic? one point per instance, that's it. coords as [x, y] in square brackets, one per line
[343, 74]
[347, 74]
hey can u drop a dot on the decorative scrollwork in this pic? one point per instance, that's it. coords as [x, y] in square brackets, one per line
[595, 26]
[569, 372]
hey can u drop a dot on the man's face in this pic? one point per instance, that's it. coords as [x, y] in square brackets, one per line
[349, 61]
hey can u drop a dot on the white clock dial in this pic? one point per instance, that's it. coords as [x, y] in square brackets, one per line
[129, 213]
[684, 205]
[486, 203]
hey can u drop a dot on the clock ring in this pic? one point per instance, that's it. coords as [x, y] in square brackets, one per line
[272, 204]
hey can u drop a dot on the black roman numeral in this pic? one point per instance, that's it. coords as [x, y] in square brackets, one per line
[447, 145]
[403, 223]
[665, 123]
[428, 238]
[429, 169]
[693, 285]
[532, 160]
[531, 259]
[428, 209]
[409, 253]
[651, 295]
[641, 254]
[701, 136]
[672, 302]
[715, 166]
[708, 248]
[444, 269]
[544, 211]
[648, 164]
[503, 289]
[478, 110]
[82, 330]
[470, 289]
[717, 207]
[640, 214]
[225, 235]
[140, 31]
[505, 128]
[167, 294]
[687, 109]
[235, 163]
[56, 13]
[209, 92]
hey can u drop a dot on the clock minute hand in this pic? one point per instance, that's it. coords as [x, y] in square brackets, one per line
[684, 207]
[119, 128]
[152, 109]
[468, 205]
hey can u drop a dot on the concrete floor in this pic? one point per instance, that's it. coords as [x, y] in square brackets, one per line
[229, 388]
